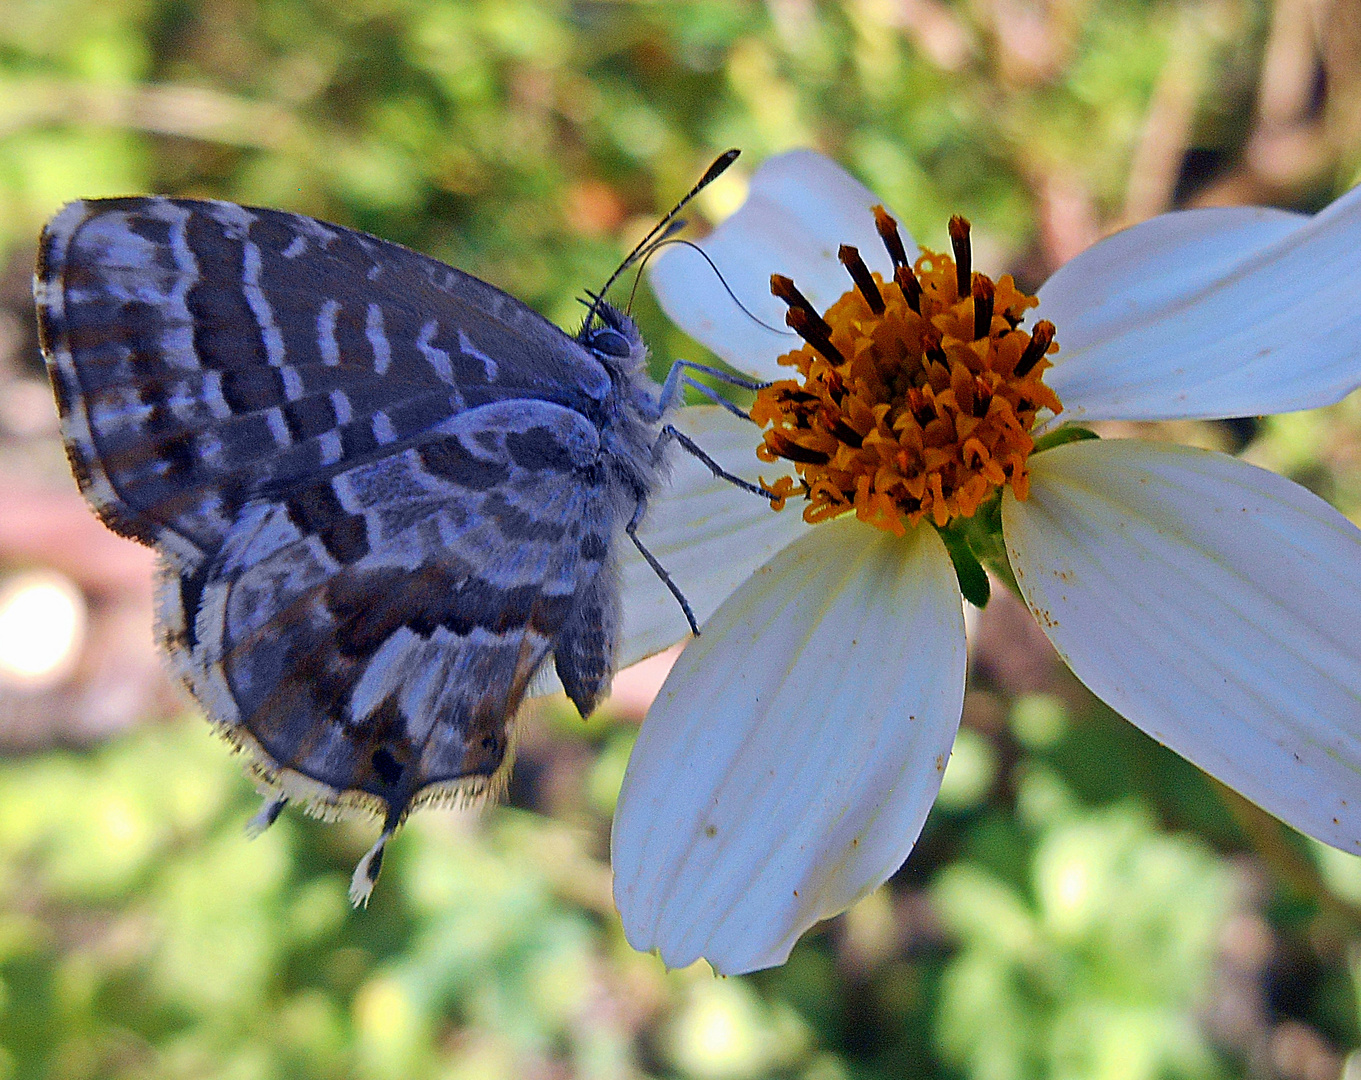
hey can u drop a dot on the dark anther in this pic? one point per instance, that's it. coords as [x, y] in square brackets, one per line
[959, 240]
[983, 297]
[785, 289]
[847, 434]
[982, 398]
[860, 274]
[817, 333]
[792, 451]
[888, 232]
[803, 318]
[912, 288]
[931, 345]
[1040, 340]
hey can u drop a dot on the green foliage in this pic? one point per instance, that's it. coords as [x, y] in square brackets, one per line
[1093, 971]
[144, 934]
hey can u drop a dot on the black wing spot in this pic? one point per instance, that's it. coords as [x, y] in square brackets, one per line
[61, 393]
[247, 390]
[538, 449]
[449, 459]
[594, 547]
[357, 440]
[388, 768]
[518, 526]
[191, 597]
[309, 417]
[151, 229]
[317, 511]
[180, 455]
[138, 321]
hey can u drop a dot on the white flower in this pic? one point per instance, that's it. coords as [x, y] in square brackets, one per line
[790, 760]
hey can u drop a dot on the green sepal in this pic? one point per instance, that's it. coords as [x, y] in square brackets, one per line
[976, 543]
[1001, 566]
[1064, 435]
[973, 579]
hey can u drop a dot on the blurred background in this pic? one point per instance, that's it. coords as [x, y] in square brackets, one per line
[1082, 904]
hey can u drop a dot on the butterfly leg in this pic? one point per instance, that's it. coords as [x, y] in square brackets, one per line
[676, 378]
[717, 398]
[691, 447]
[366, 873]
[668, 433]
[723, 376]
[657, 568]
[268, 814]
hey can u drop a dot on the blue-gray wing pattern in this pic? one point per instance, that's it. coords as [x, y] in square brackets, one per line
[384, 491]
[203, 352]
[388, 674]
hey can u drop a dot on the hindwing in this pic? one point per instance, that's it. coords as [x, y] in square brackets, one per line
[378, 643]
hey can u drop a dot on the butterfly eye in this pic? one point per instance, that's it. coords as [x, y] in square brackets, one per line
[609, 342]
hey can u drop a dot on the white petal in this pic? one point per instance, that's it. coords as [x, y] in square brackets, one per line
[708, 534]
[1210, 313]
[801, 208]
[787, 766]
[1216, 605]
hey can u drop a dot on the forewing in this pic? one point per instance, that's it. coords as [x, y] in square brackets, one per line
[205, 355]
[374, 649]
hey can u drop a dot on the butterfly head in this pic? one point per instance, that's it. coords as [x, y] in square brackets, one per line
[613, 339]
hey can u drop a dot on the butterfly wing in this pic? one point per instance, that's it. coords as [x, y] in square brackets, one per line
[374, 479]
[387, 670]
[202, 352]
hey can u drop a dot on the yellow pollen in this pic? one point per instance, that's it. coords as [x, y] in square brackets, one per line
[915, 396]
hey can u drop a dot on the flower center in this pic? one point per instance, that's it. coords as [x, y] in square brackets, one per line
[915, 397]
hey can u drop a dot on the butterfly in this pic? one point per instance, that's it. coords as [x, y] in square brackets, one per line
[383, 491]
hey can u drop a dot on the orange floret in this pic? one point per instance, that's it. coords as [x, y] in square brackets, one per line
[915, 397]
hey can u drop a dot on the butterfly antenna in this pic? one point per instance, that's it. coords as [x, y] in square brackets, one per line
[641, 260]
[712, 173]
[666, 242]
